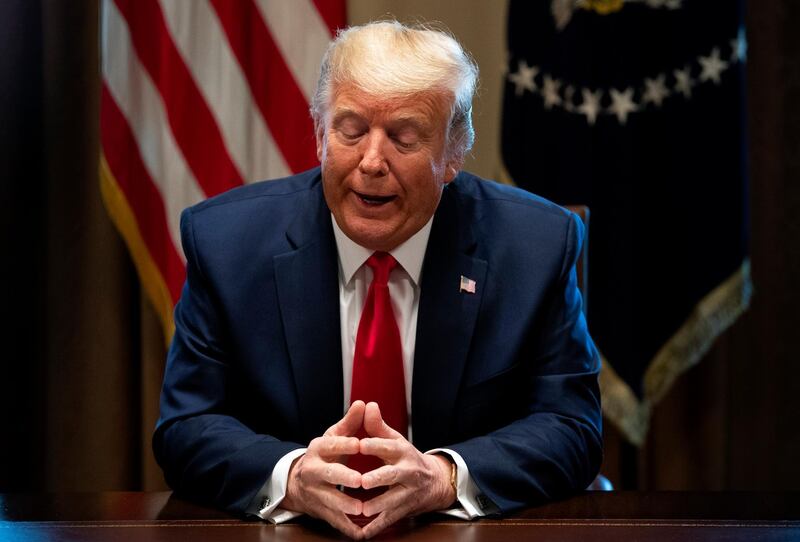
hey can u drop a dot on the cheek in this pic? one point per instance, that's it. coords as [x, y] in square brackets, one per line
[335, 173]
[340, 160]
[425, 199]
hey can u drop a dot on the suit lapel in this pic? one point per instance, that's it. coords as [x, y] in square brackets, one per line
[308, 295]
[445, 322]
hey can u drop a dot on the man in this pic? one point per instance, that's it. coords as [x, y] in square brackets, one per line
[377, 308]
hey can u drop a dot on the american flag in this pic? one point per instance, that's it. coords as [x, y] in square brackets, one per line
[467, 285]
[200, 96]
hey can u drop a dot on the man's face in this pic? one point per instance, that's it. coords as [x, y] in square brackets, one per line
[384, 164]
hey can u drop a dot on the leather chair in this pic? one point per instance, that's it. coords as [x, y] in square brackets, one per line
[601, 483]
[582, 265]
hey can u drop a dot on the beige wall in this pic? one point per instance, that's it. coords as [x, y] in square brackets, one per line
[480, 26]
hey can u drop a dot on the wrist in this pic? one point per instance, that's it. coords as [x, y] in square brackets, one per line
[448, 480]
[291, 500]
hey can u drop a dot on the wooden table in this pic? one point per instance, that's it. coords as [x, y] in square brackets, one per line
[595, 516]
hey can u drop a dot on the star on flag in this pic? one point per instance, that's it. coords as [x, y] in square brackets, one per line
[712, 66]
[622, 104]
[591, 104]
[655, 90]
[523, 78]
[550, 92]
[683, 81]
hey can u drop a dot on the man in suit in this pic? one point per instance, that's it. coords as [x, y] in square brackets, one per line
[384, 307]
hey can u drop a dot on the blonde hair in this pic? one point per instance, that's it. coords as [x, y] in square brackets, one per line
[390, 59]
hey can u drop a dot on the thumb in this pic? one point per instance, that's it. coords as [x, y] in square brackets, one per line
[349, 425]
[374, 424]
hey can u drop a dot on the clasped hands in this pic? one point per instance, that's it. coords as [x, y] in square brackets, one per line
[416, 482]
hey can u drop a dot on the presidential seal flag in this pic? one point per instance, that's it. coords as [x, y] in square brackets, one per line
[200, 96]
[636, 109]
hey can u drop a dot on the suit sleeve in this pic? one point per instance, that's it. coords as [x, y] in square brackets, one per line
[555, 447]
[206, 454]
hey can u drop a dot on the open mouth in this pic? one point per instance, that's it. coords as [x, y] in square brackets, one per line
[370, 199]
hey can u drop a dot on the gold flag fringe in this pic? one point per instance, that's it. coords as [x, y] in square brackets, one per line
[710, 318]
[123, 218]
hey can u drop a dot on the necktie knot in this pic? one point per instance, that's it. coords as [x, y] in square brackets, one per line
[381, 264]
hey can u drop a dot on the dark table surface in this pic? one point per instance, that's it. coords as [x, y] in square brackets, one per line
[596, 516]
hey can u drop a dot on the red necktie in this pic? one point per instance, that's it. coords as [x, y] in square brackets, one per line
[378, 361]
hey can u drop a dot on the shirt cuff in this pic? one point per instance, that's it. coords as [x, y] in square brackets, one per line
[473, 502]
[265, 504]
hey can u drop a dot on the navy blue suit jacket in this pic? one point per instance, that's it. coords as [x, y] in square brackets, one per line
[507, 376]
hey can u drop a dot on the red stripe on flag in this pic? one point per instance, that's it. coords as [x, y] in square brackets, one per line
[272, 84]
[144, 198]
[333, 12]
[196, 131]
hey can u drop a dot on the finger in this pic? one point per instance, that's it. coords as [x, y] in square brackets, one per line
[334, 501]
[322, 500]
[386, 475]
[338, 475]
[387, 449]
[351, 423]
[385, 519]
[333, 447]
[393, 497]
[374, 424]
[344, 525]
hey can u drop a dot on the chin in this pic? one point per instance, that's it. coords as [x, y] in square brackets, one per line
[374, 243]
[368, 236]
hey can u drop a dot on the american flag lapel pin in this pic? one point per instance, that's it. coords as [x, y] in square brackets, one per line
[467, 285]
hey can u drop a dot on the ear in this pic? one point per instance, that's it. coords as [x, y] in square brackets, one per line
[452, 168]
[320, 136]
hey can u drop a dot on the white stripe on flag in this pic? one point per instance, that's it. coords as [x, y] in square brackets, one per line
[140, 102]
[301, 35]
[202, 42]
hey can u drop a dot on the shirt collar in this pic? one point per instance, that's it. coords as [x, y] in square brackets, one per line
[408, 254]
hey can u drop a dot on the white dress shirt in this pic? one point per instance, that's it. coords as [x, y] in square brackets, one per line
[404, 289]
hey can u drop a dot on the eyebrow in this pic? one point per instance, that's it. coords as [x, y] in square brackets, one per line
[411, 120]
[343, 113]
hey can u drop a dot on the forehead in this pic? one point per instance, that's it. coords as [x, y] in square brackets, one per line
[429, 107]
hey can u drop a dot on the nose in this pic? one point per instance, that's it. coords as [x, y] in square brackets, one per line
[373, 161]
